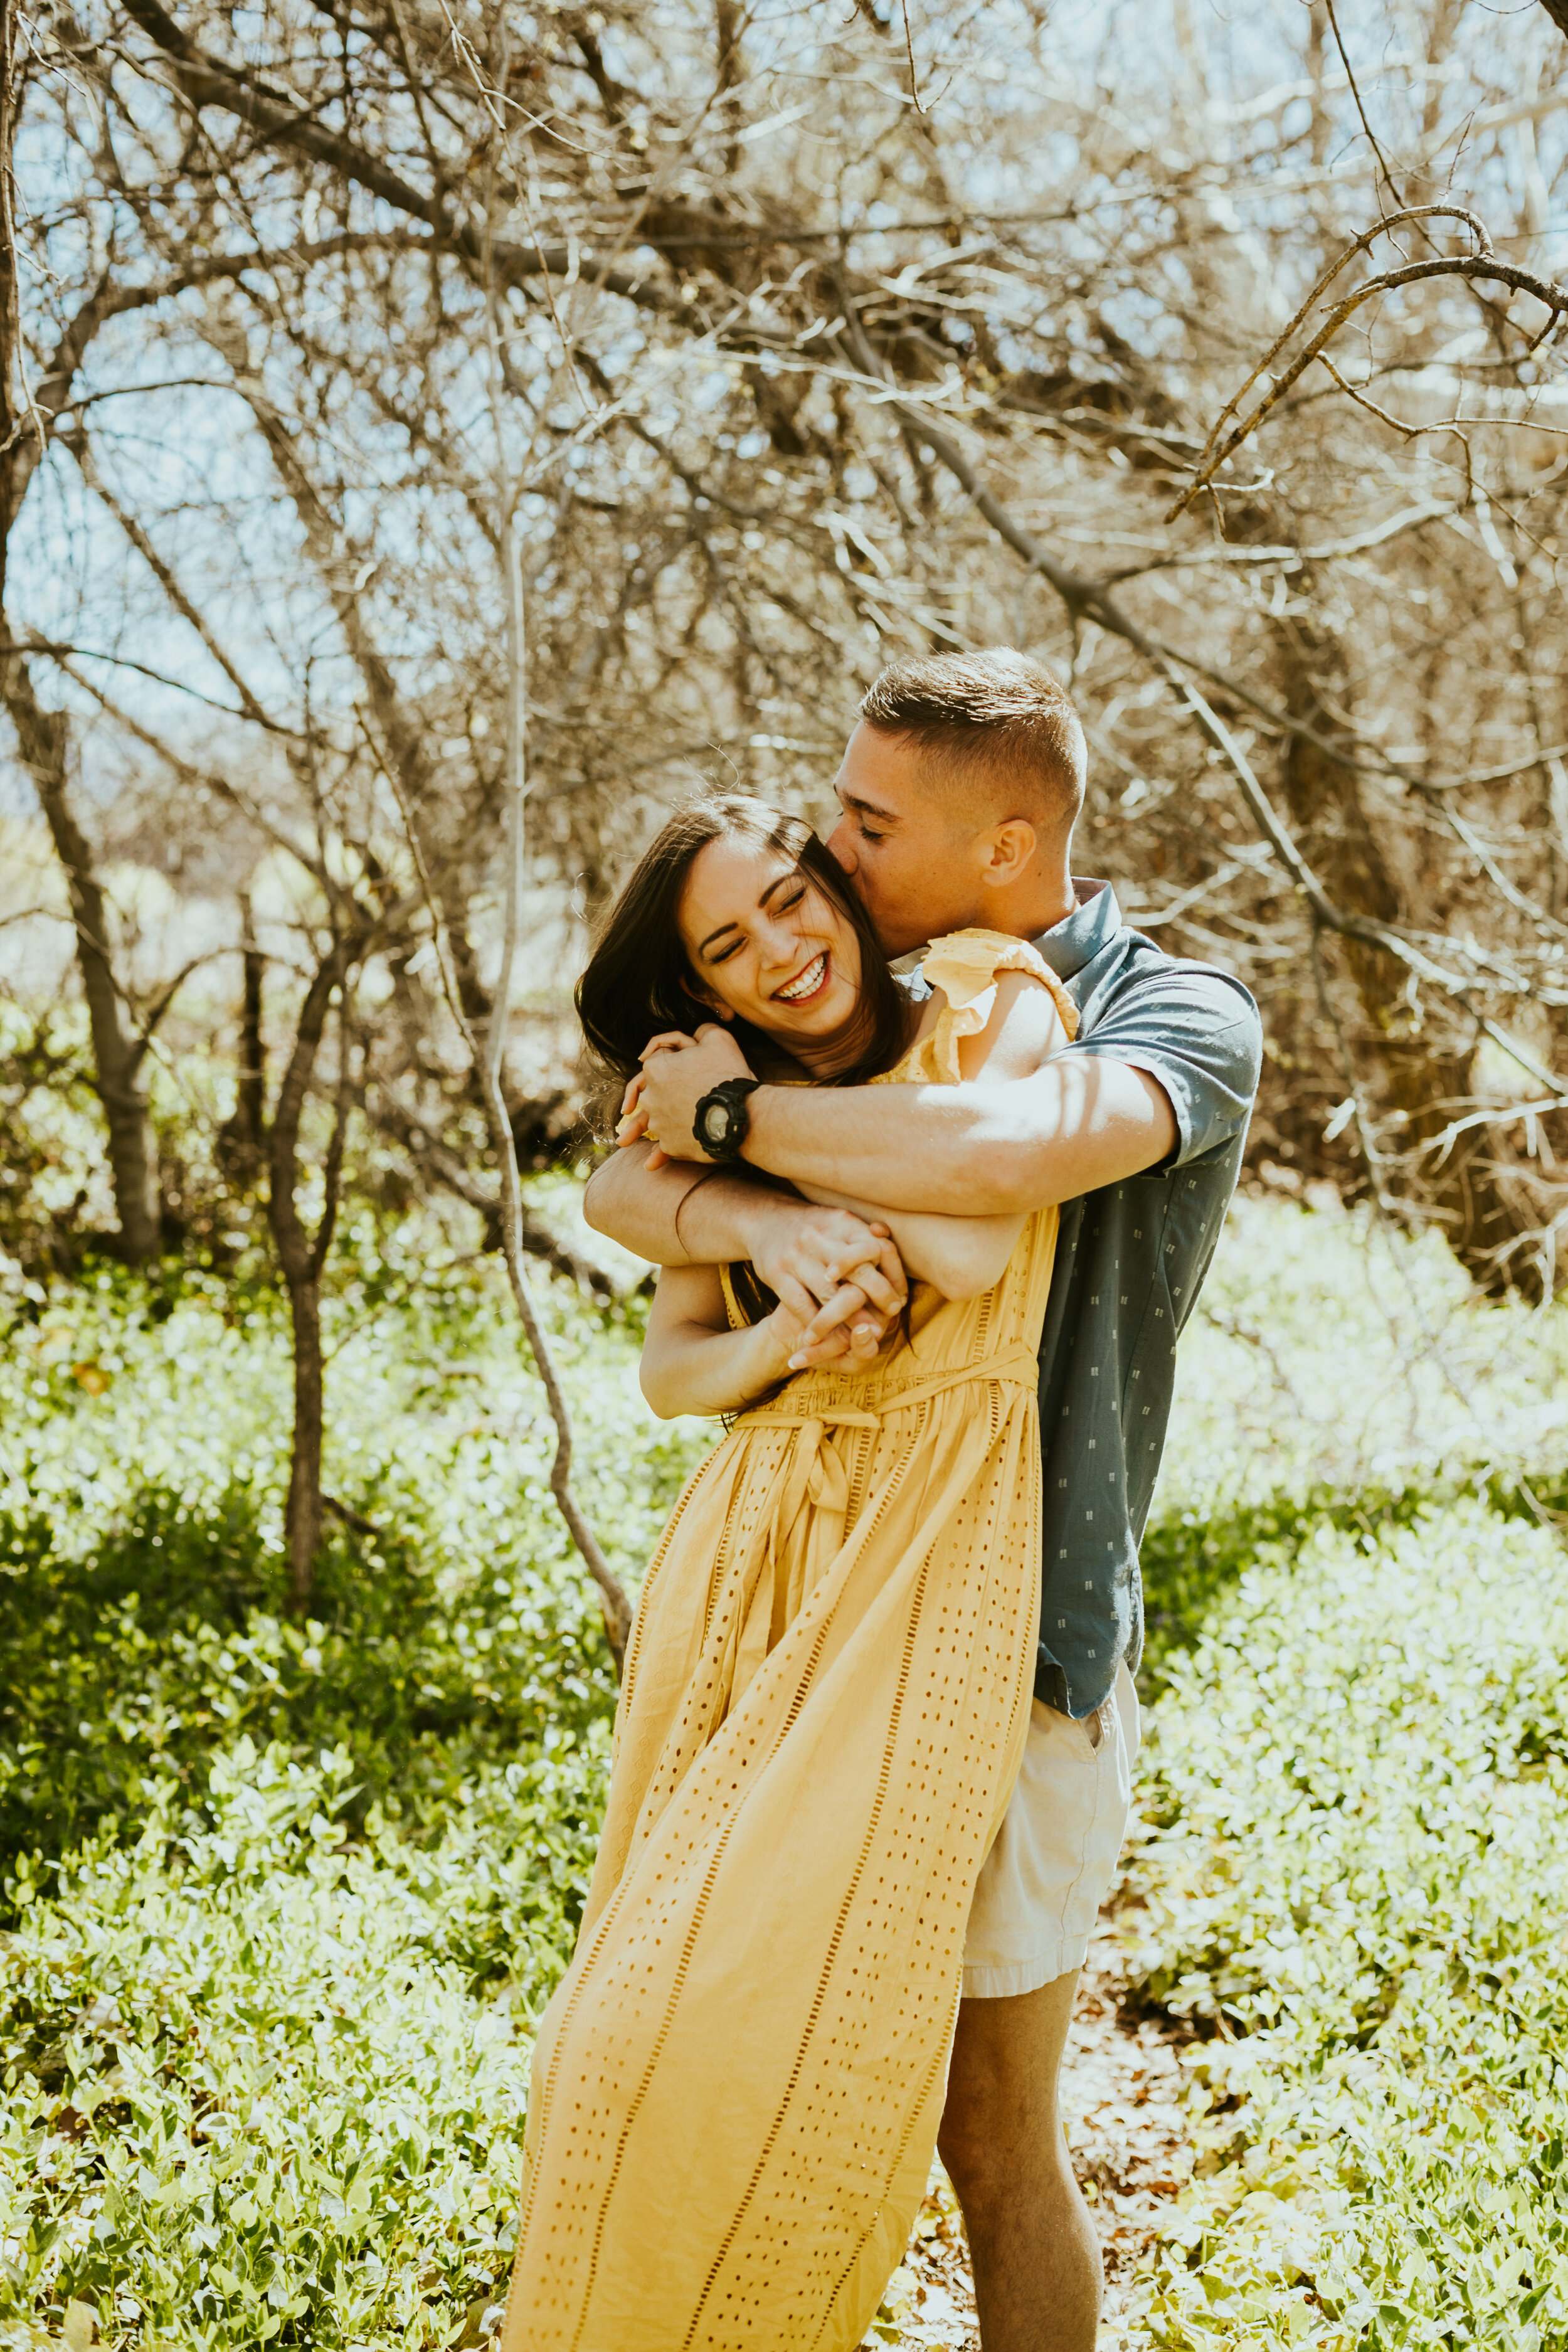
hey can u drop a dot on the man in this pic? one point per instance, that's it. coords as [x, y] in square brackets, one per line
[959, 788]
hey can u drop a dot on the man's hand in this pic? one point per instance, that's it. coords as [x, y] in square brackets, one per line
[677, 1072]
[841, 1277]
[846, 1331]
[806, 1254]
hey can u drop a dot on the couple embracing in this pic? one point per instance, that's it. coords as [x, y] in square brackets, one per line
[927, 1247]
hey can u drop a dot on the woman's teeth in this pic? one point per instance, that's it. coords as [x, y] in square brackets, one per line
[805, 983]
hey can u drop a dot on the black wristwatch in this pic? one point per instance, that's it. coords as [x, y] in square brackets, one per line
[721, 1121]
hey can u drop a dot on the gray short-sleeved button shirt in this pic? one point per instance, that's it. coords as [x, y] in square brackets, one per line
[1130, 1262]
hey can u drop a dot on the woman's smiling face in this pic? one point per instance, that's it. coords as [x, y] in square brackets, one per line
[763, 942]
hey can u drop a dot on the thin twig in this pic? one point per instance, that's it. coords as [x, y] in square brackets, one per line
[909, 52]
[1360, 109]
[612, 1598]
[1483, 262]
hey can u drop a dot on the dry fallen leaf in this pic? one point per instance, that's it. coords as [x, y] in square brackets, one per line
[78, 2329]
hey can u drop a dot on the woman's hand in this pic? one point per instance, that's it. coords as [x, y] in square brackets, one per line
[802, 1341]
[632, 1125]
[847, 1331]
[809, 1255]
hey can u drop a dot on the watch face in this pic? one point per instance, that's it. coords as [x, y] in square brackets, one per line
[720, 1119]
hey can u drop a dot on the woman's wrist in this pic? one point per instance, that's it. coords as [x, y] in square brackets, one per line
[766, 1361]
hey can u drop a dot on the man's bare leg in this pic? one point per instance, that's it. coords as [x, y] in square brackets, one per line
[1037, 2274]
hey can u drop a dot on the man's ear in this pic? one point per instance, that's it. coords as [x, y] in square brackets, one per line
[1010, 851]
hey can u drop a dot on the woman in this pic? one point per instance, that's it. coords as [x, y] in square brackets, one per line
[737, 2087]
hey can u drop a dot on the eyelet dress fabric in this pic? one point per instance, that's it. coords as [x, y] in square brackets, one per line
[736, 2088]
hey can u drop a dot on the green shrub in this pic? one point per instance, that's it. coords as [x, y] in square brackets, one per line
[1328, 1353]
[1191, 1559]
[252, 2094]
[286, 1895]
[1356, 1799]
[164, 1643]
[142, 1452]
[266, 2032]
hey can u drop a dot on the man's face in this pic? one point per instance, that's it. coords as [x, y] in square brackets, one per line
[915, 869]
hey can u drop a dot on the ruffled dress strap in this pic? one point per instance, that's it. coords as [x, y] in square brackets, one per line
[966, 967]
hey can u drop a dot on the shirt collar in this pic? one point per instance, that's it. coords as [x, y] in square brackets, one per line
[1075, 941]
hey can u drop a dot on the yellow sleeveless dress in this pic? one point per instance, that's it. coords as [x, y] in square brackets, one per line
[736, 2088]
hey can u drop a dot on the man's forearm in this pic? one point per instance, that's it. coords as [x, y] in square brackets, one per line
[977, 1151]
[674, 1215]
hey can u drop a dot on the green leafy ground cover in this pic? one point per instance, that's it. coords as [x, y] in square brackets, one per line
[283, 1898]
[1351, 1877]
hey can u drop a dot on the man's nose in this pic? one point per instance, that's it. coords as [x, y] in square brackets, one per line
[841, 845]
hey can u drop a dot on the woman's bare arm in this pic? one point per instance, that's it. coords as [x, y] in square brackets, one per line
[692, 1362]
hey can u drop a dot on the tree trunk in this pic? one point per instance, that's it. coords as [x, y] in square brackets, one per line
[242, 1135]
[250, 1103]
[303, 1518]
[301, 1257]
[43, 738]
[119, 1058]
[408, 771]
[1422, 1080]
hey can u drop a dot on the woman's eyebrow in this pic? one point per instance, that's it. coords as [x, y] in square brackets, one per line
[776, 884]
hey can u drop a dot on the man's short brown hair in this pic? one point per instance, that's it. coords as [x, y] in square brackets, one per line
[996, 719]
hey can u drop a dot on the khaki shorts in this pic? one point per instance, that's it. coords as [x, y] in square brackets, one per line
[1041, 1886]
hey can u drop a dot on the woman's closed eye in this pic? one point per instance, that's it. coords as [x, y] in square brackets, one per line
[733, 947]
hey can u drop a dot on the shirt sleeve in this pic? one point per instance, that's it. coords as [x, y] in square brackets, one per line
[1197, 1032]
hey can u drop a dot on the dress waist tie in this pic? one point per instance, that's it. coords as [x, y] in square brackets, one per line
[817, 1482]
[1015, 1366]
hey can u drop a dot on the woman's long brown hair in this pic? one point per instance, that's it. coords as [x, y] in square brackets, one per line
[638, 980]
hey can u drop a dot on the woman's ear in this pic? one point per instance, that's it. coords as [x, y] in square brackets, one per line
[713, 1006]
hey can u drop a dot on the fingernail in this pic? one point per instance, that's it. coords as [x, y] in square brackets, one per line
[797, 1364]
